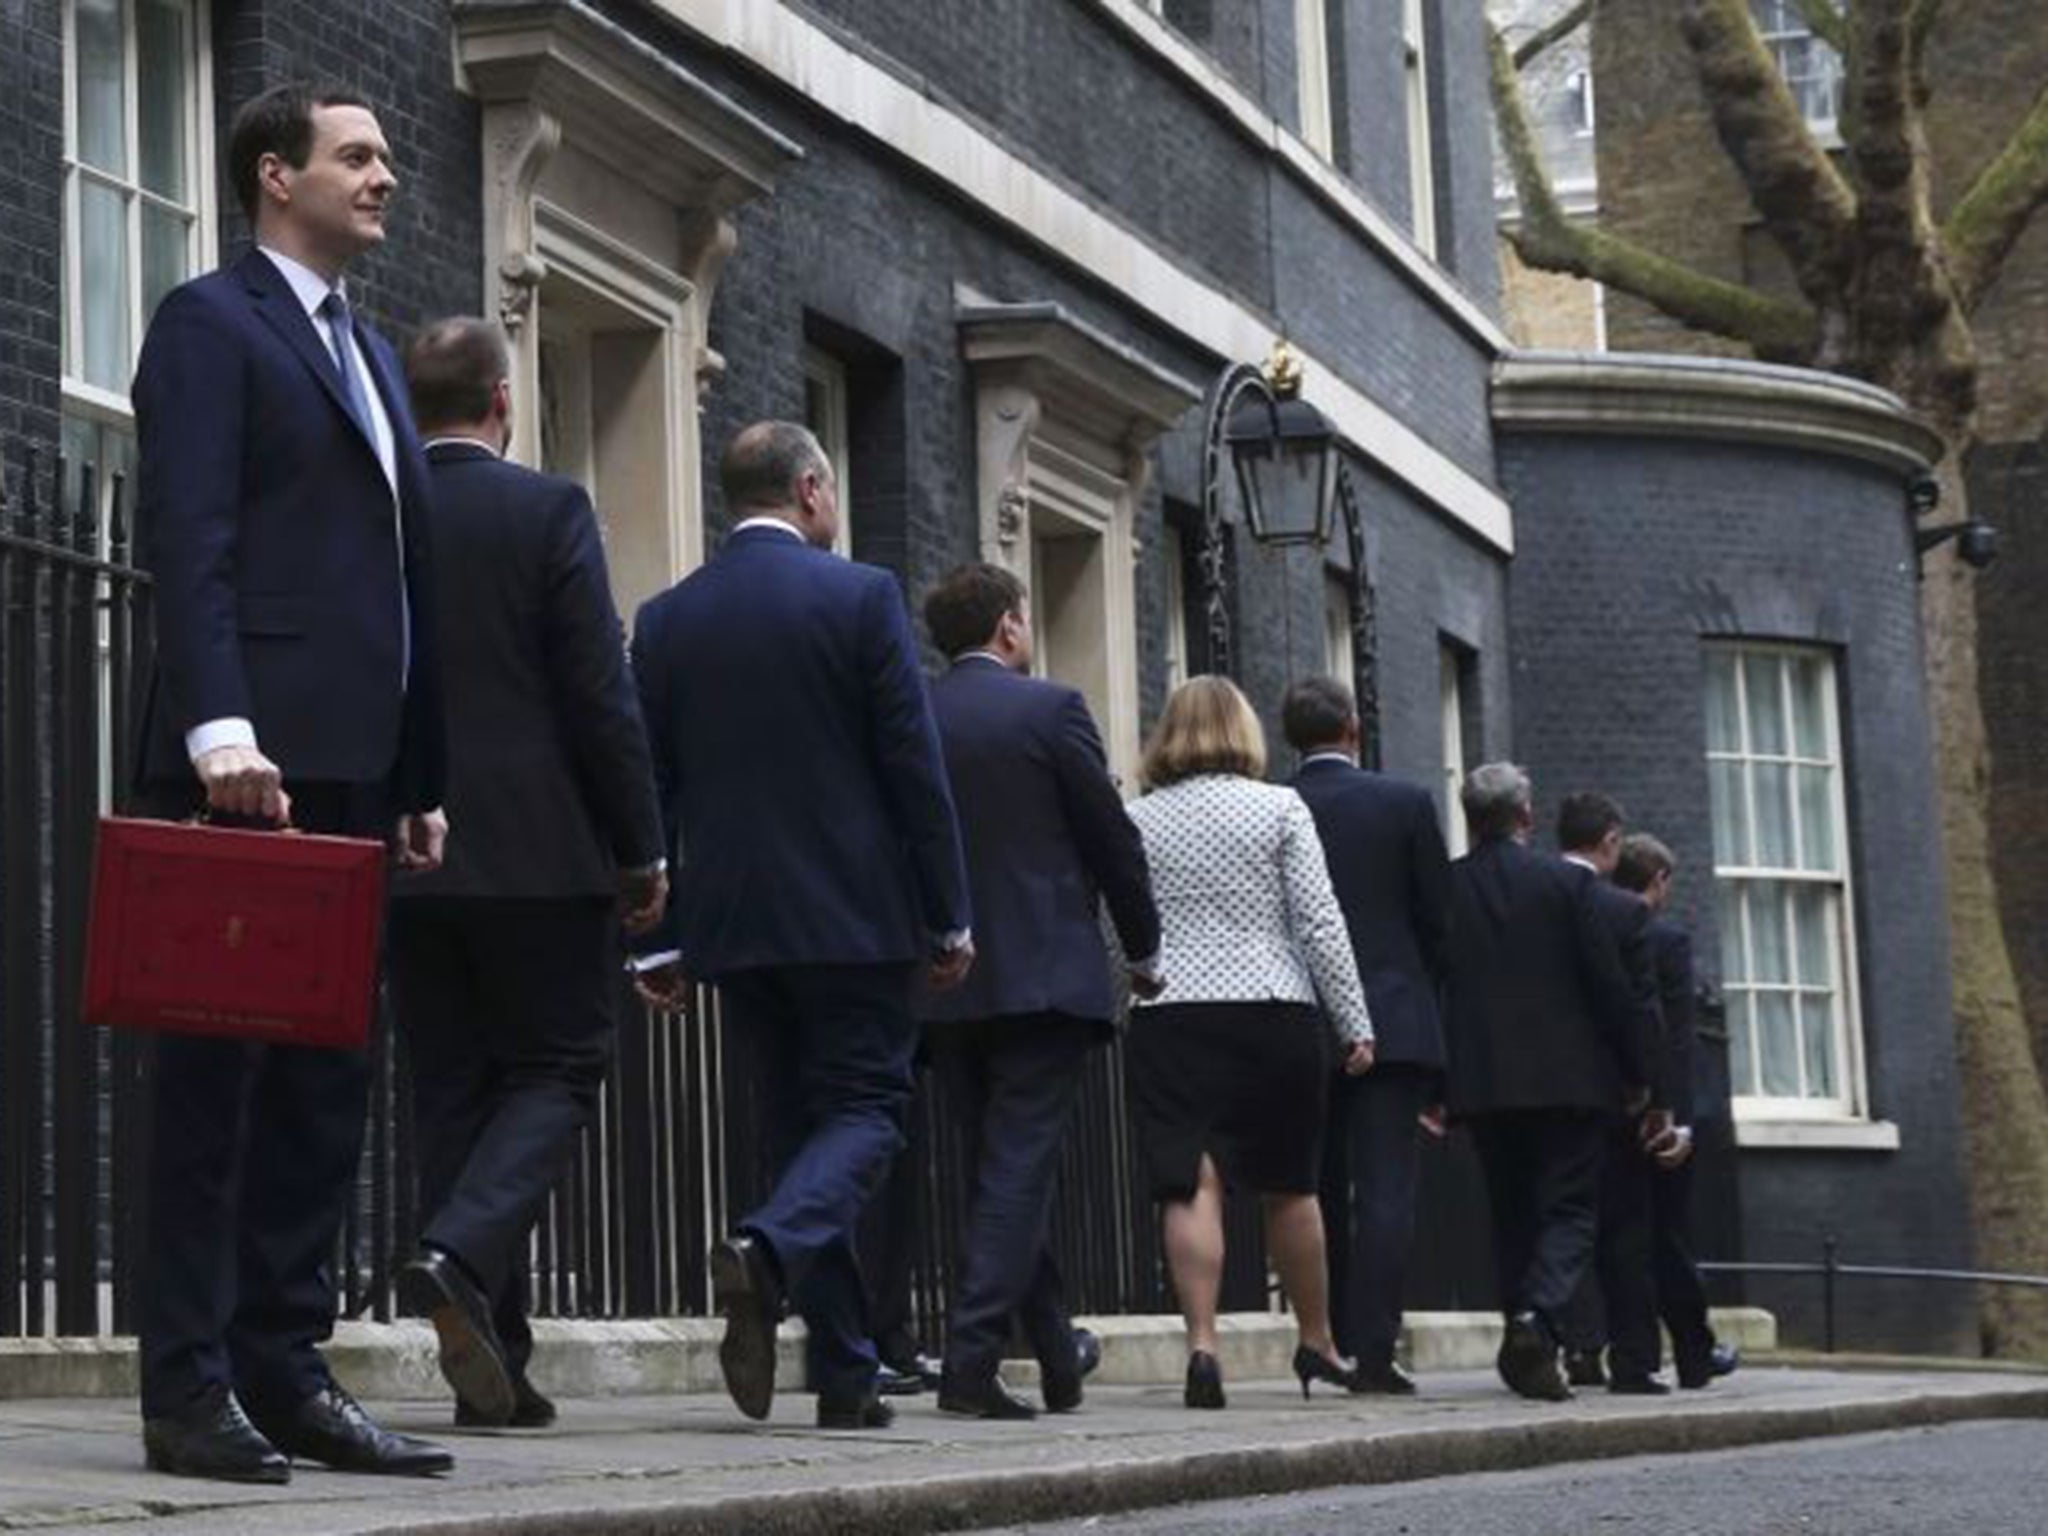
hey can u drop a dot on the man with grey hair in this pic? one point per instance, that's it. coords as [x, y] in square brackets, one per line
[818, 865]
[1536, 1021]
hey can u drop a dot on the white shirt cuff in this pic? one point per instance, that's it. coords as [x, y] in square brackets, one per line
[228, 731]
[948, 942]
[1148, 967]
[655, 962]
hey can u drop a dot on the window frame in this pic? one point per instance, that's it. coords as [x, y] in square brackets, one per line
[1849, 1105]
[1314, 96]
[1451, 665]
[1174, 596]
[1421, 125]
[828, 373]
[1793, 28]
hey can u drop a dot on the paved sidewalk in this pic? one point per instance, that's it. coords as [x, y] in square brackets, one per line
[690, 1464]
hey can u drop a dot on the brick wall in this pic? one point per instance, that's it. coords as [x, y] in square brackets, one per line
[31, 191]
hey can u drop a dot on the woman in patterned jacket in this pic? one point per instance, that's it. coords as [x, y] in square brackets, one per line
[1229, 1069]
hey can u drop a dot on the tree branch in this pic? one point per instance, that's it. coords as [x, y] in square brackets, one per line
[1549, 240]
[1545, 38]
[1827, 22]
[1988, 221]
[1806, 206]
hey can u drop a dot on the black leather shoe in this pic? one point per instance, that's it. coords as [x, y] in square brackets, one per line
[747, 1293]
[890, 1382]
[1528, 1360]
[331, 1428]
[530, 1410]
[1386, 1379]
[1204, 1387]
[1721, 1360]
[211, 1437]
[1637, 1386]
[1060, 1384]
[982, 1398]
[915, 1366]
[433, 1286]
[868, 1412]
[1583, 1368]
[1310, 1366]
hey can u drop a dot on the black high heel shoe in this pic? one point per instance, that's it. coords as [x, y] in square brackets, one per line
[1205, 1381]
[1310, 1366]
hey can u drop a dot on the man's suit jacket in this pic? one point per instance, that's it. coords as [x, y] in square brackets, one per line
[1537, 1011]
[1670, 950]
[550, 786]
[1046, 839]
[1392, 877]
[267, 522]
[797, 763]
[1629, 918]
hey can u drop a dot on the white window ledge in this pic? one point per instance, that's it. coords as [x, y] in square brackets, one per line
[1818, 1135]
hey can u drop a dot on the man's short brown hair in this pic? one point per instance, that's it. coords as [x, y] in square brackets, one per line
[1643, 858]
[963, 610]
[452, 369]
[278, 122]
[1208, 727]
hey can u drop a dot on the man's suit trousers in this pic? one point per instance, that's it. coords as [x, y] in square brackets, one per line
[1681, 1294]
[1627, 1288]
[508, 1011]
[1372, 1162]
[253, 1152]
[1010, 1084]
[828, 1049]
[1543, 1185]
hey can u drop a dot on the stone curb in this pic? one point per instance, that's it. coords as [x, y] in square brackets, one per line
[979, 1501]
[396, 1361]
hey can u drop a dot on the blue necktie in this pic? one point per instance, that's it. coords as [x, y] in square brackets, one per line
[335, 308]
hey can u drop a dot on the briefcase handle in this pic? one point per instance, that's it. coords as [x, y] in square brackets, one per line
[207, 816]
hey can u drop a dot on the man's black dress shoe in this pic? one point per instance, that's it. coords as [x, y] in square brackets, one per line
[1060, 1384]
[1721, 1360]
[1528, 1360]
[1637, 1386]
[982, 1398]
[530, 1410]
[212, 1437]
[868, 1412]
[433, 1286]
[1583, 1368]
[746, 1292]
[890, 1382]
[330, 1427]
[1386, 1379]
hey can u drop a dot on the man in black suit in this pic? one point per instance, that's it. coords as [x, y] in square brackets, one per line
[282, 513]
[801, 778]
[1623, 1313]
[1543, 1042]
[505, 964]
[1646, 868]
[1047, 843]
[1392, 877]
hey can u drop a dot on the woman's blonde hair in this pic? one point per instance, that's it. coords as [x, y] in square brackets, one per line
[1208, 727]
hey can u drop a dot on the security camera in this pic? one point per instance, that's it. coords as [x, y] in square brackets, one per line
[1977, 545]
[1923, 495]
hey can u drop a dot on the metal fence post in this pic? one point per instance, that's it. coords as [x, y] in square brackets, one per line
[1828, 1271]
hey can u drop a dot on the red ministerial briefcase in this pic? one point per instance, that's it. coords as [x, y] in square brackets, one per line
[247, 935]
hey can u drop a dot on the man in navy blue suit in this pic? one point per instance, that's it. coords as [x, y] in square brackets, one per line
[1047, 843]
[282, 514]
[1392, 875]
[817, 867]
[505, 962]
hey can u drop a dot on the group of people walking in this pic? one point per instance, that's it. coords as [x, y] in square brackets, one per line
[371, 624]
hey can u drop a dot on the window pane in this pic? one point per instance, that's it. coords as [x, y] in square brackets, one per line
[103, 284]
[1731, 813]
[166, 255]
[1813, 914]
[1778, 1044]
[1817, 1022]
[1741, 1049]
[1734, 967]
[162, 64]
[1766, 705]
[1724, 719]
[1817, 819]
[1773, 785]
[1770, 951]
[1809, 707]
[102, 113]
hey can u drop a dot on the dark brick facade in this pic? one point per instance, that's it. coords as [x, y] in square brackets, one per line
[31, 201]
[1613, 596]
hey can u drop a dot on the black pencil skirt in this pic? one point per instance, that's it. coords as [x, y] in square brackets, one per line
[1246, 1082]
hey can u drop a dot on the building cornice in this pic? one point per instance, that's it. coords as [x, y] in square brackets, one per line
[1728, 399]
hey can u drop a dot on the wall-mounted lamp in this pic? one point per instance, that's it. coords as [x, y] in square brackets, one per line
[1976, 540]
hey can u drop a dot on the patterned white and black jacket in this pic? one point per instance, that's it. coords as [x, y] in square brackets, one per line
[1245, 905]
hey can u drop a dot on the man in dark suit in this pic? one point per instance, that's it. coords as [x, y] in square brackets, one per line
[1543, 1042]
[283, 515]
[1047, 843]
[1645, 868]
[1392, 877]
[818, 865]
[505, 963]
[1622, 1310]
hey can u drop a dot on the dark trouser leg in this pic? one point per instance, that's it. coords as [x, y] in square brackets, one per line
[1506, 1156]
[1021, 1076]
[888, 1243]
[1681, 1294]
[1624, 1257]
[1568, 1149]
[1336, 1194]
[1385, 1167]
[831, 1049]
